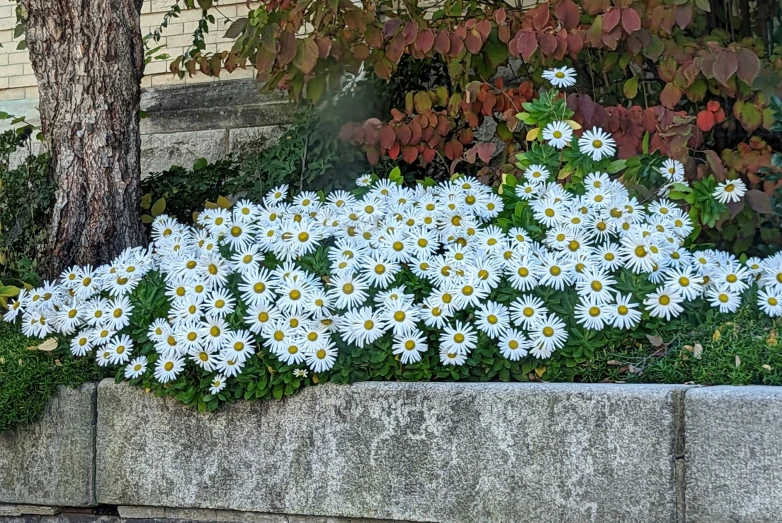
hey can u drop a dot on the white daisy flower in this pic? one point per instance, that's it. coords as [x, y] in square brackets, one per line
[561, 76]
[665, 302]
[492, 318]
[770, 301]
[625, 314]
[513, 344]
[459, 338]
[558, 134]
[136, 368]
[547, 335]
[323, 358]
[730, 191]
[409, 346]
[597, 144]
[167, 368]
[217, 384]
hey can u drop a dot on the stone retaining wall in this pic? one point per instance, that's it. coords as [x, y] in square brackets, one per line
[438, 452]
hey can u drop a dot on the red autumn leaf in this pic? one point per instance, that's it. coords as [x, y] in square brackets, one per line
[428, 154]
[457, 45]
[574, 43]
[387, 137]
[409, 153]
[466, 136]
[726, 65]
[713, 106]
[484, 28]
[540, 16]
[397, 115]
[403, 134]
[749, 66]
[484, 151]
[759, 201]
[415, 132]
[442, 43]
[473, 42]
[287, 48]
[391, 27]
[719, 116]
[373, 156]
[395, 50]
[373, 37]
[425, 40]
[705, 121]
[324, 47]
[410, 32]
[631, 20]
[611, 19]
[548, 44]
[500, 15]
[683, 15]
[526, 44]
[361, 52]
[568, 14]
[394, 151]
[503, 33]
[449, 153]
[671, 95]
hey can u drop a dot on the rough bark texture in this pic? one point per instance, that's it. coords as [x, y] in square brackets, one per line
[88, 57]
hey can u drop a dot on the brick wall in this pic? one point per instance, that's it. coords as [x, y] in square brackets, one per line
[17, 81]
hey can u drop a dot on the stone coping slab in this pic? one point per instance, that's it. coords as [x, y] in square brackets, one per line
[455, 452]
[51, 461]
[734, 454]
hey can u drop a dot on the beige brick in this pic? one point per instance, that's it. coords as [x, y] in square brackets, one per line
[159, 6]
[12, 70]
[28, 68]
[156, 67]
[8, 11]
[146, 82]
[3, 59]
[11, 94]
[7, 23]
[3, 83]
[31, 92]
[19, 57]
[7, 36]
[199, 79]
[22, 81]
[179, 41]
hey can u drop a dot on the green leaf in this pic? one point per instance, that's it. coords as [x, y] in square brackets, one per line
[159, 207]
[8, 291]
[315, 89]
[630, 88]
[616, 166]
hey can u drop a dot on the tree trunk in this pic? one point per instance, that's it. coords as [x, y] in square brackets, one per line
[88, 58]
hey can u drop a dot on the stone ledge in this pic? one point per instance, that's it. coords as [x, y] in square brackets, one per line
[453, 452]
[51, 462]
[733, 456]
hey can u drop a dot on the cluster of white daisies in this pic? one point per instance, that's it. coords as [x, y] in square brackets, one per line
[443, 234]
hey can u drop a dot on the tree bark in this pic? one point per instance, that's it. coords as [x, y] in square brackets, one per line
[88, 58]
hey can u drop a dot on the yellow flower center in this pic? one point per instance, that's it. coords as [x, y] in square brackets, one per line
[492, 319]
[622, 310]
[458, 337]
[594, 312]
[548, 331]
[399, 316]
[597, 144]
[169, 365]
[294, 294]
[664, 300]
[369, 325]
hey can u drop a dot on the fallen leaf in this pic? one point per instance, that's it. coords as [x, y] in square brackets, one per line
[540, 371]
[738, 362]
[697, 351]
[614, 362]
[768, 367]
[655, 340]
[716, 336]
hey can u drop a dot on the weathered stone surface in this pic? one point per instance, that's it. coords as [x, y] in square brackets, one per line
[450, 452]
[160, 151]
[219, 105]
[733, 456]
[32, 510]
[50, 462]
[250, 140]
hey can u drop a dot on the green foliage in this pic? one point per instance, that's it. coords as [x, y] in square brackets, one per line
[27, 193]
[743, 351]
[30, 377]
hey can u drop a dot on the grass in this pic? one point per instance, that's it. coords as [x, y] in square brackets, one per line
[28, 378]
[746, 350]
